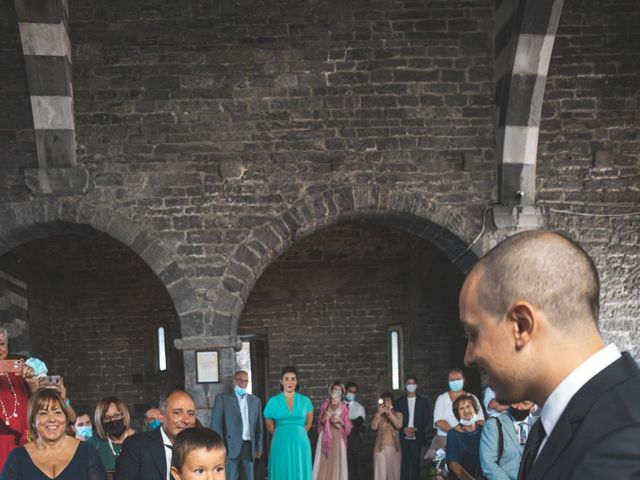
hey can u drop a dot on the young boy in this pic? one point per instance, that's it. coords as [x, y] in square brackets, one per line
[198, 453]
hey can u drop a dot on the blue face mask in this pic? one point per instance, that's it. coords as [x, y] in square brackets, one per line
[456, 385]
[350, 397]
[153, 424]
[85, 431]
[240, 390]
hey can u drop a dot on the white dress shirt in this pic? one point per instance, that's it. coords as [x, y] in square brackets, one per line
[411, 403]
[564, 392]
[355, 410]
[168, 451]
[444, 411]
[244, 411]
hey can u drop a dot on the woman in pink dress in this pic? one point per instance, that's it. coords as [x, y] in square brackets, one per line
[334, 427]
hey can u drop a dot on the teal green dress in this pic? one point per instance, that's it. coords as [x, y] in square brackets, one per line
[290, 456]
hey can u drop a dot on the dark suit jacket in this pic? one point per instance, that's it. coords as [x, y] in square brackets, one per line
[226, 420]
[598, 434]
[421, 416]
[142, 457]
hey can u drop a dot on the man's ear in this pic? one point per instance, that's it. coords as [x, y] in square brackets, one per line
[523, 318]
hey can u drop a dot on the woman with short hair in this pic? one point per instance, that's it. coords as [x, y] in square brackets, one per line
[387, 457]
[463, 441]
[52, 453]
[112, 425]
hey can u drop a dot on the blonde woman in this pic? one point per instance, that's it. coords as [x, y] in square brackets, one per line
[112, 425]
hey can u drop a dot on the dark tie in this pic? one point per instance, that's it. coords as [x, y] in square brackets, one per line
[536, 436]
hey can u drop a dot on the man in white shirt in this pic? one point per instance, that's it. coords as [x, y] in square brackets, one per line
[443, 417]
[415, 418]
[530, 311]
[354, 442]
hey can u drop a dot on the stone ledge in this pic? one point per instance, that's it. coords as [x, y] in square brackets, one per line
[516, 218]
[57, 181]
[204, 343]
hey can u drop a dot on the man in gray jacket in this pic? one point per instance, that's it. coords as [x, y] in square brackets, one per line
[237, 417]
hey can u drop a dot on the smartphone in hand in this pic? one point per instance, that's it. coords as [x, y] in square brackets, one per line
[51, 381]
[11, 366]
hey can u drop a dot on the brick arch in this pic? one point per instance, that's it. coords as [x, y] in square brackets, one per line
[411, 212]
[27, 221]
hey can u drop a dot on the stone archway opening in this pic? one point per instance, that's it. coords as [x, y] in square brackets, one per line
[329, 304]
[93, 310]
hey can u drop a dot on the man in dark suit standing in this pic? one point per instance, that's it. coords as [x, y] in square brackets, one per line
[147, 455]
[530, 311]
[416, 415]
[237, 418]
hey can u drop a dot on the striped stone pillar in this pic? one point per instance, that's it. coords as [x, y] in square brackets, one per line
[44, 32]
[525, 32]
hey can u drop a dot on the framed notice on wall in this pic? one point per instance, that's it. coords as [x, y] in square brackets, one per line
[207, 370]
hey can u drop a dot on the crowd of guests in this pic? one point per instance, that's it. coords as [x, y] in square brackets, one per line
[44, 435]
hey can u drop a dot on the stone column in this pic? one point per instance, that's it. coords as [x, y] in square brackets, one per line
[44, 31]
[204, 393]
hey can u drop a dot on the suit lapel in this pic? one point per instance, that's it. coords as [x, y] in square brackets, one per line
[619, 371]
[157, 447]
[509, 429]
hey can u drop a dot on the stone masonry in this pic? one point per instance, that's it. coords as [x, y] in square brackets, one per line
[219, 135]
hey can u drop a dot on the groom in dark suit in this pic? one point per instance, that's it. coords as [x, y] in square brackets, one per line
[416, 415]
[530, 311]
[237, 417]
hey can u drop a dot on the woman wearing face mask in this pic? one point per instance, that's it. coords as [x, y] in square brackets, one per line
[443, 416]
[463, 441]
[112, 426]
[334, 427]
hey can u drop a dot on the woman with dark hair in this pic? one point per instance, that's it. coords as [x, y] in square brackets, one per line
[334, 427]
[52, 453]
[387, 457]
[463, 441]
[288, 416]
[112, 424]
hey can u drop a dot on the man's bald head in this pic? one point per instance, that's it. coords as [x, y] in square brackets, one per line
[546, 269]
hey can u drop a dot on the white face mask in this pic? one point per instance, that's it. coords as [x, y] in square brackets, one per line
[471, 421]
[411, 387]
[336, 393]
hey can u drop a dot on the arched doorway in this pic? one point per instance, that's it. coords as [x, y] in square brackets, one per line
[95, 312]
[332, 302]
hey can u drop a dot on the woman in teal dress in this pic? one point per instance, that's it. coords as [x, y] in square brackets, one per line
[288, 417]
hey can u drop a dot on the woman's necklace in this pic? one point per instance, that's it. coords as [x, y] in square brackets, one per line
[111, 444]
[16, 403]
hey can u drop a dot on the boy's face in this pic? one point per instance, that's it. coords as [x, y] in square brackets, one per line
[202, 464]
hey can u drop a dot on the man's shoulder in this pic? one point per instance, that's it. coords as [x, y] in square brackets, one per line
[144, 437]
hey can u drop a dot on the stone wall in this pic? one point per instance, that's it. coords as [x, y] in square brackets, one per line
[589, 168]
[327, 304]
[93, 314]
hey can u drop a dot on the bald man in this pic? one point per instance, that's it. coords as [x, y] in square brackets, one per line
[530, 309]
[147, 455]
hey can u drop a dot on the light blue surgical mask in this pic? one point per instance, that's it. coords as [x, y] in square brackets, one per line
[456, 385]
[85, 431]
[471, 421]
[350, 396]
[155, 423]
[240, 390]
[411, 387]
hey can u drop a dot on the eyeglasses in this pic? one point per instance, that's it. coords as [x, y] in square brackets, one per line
[113, 418]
